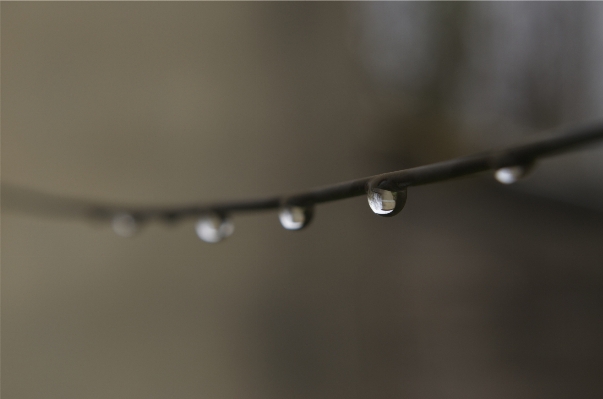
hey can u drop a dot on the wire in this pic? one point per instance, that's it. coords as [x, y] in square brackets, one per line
[386, 192]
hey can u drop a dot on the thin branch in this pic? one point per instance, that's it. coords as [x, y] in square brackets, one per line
[522, 156]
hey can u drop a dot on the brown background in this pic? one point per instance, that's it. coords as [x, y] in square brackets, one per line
[475, 290]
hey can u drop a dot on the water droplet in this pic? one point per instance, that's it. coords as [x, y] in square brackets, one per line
[214, 228]
[511, 174]
[295, 217]
[385, 202]
[125, 225]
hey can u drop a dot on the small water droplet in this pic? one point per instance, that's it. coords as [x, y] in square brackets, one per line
[511, 174]
[125, 225]
[385, 202]
[295, 217]
[214, 228]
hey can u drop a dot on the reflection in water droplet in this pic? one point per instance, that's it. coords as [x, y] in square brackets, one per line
[510, 174]
[382, 202]
[124, 225]
[213, 228]
[295, 217]
[385, 202]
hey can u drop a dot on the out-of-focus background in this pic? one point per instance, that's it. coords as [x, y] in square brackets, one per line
[475, 290]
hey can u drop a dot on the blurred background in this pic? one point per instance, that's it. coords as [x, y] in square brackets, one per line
[475, 290]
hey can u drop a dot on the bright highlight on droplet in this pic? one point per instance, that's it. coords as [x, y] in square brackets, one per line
[124, 225]
[295, 217]
[382, 202]
[510, 174]
[214, 228]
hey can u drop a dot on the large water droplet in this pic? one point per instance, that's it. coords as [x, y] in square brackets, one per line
[511, 174]
[295, 217]
[385, 202]
[214, 228]
[125, 225]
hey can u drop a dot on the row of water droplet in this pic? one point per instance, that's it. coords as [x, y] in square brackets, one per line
[215, 227]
